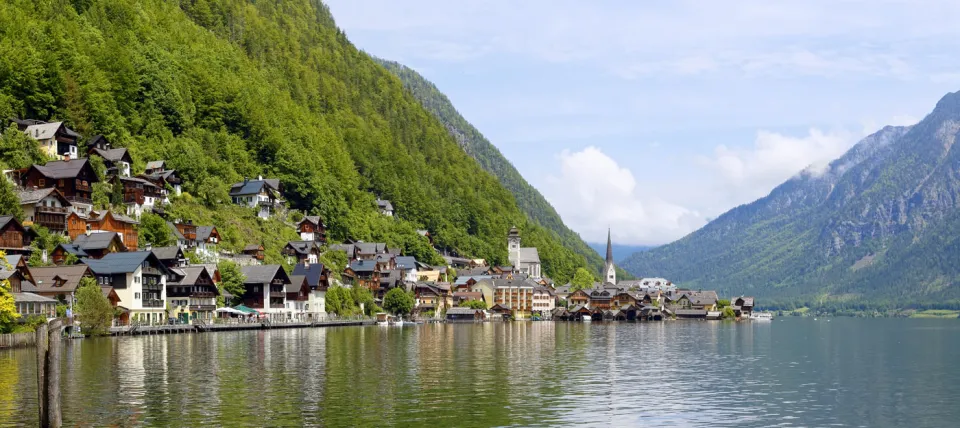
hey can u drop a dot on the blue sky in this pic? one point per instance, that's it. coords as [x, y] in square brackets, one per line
[653, 117]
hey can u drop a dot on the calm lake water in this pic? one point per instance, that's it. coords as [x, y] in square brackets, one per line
[791, 372]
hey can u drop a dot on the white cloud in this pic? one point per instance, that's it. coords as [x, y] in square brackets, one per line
[592, 192]
[746, 174]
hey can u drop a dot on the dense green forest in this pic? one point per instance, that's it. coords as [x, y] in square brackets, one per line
[879, 229]
[227, 89]
[476, 145]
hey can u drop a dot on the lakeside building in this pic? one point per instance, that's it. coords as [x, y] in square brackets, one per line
[140, 280]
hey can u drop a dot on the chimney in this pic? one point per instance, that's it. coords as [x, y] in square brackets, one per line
[149, 247]
[259, 178]
[36, 132]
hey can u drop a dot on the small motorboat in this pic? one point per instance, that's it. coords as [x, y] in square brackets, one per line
[382, 319]
[762, 316]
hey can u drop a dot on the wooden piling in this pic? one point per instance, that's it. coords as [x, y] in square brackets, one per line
[48, 373]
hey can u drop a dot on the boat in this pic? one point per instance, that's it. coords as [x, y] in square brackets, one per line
[398, 322]
[382, 319]
[762, 316]
[586, 318]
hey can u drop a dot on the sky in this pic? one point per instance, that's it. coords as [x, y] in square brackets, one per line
[653, 117]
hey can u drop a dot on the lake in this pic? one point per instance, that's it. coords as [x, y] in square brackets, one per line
[789, 372]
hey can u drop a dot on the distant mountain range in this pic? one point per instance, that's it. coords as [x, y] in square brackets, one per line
[880, 227]
[620, 252]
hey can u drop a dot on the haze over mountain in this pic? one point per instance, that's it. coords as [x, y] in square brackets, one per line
[880, 224]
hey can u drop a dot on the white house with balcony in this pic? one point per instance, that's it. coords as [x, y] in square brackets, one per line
[139, 279]
[264, 195]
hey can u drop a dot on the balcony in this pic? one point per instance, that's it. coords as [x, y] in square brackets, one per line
[51, 210]
[80, 200]
[278, 294]
[153, 303]
[152, 286]
[83, 187]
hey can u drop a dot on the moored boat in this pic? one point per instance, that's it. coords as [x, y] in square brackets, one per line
[761, 316]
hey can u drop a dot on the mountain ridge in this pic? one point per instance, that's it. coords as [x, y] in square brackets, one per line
[845, 233]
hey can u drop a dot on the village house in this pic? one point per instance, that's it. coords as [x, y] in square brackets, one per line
[26, 303]
[544, 301]
[73, 178]
[302, 251]
[517, 294]
[57, 282]
[369, 250]
[428, 298]
[408, 267]
[264, 195]
[204, 240]
[349, 249]
[526, 260]
[139, 195]
[363, 273]
[14, 238]
[579, 298]
[311, 228]
[45, 207]
[385, 207]
[104, 221]
[255, 251]
[158, 174]
[192, 296]
[93, 245]
[318, 279]
[117, 161]
[56, 140]
[266, 290]
[298, 297]
[743, 305]
[461, 297]
[139, 279]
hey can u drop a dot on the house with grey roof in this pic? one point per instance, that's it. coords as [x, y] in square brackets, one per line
[204, 240]
[56, 282]
[318, 279]
[192, 295]
[408, 267]
[302, 251]
[265, 289]
[385, 207]
[45, 207]
[117, 160]
[263, 194]
[311, 228]
[74, 178]
[55, 139]
[93, 245]
[139, 279]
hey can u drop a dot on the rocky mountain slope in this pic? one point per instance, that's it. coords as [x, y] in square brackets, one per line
[878, 227]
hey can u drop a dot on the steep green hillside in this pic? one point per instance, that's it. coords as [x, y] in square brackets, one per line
[879, 228]
[476, 145]
[226, 89]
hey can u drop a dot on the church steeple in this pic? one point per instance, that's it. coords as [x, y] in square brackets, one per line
[609, 271]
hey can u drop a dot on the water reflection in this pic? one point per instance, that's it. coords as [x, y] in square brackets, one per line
[796, 372]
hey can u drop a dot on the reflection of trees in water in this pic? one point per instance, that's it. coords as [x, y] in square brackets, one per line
[9, 375]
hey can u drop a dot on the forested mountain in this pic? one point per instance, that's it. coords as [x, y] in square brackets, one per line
[227, 89]
[476, 145]
[879, 227]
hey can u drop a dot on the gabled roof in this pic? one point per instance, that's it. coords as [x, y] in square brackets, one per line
[44, 277]
[97, 216]
[137, 180]
[113, 155]
[172, 252]
[128, 262]
[384, 204]
[370, 247]
[473, 271]
[252, 187]
[296, 283]
[312, 272]
[31, 298]
[43, 131]
[347, 248]
[10, 220]
[97, 241]
[363, 265]
[529, 255]
[64, 169]
[253, 247]
[28, 197]
[190, 275]
[302, 247]
[263, 274]
[461, 280]
[459, 310]
[406, 262]
[312, 219]
[157, 164]
[73, 249]
[204, 232]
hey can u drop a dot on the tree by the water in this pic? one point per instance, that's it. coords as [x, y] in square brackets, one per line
[398, 301]
[582, 279]
[93, 308]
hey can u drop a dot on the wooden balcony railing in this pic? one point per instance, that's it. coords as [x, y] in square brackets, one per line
[51, 210]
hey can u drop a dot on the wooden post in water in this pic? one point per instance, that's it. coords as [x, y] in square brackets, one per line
[41, 372]
[48, 373]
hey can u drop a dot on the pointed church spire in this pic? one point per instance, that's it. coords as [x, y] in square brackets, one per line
[609, 248]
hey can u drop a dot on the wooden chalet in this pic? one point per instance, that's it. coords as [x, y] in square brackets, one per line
[254, 250]
[579, 297]
[363, 273]
[104, 221]
[743, 304]
[73, 178]
[311, 228]
[94, 246]
[137, 191]
[623, 299]
[45, 207]
[18, 274]
[14, 238]
[117, 161]
[265, 289]
[600, 299]
[302, 251]
[464, 315]
[297, 290]
[316, 274]
[192, 294]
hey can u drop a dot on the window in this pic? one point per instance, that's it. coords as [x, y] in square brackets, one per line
[136, 296]
[41, 183]
[136, 279]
